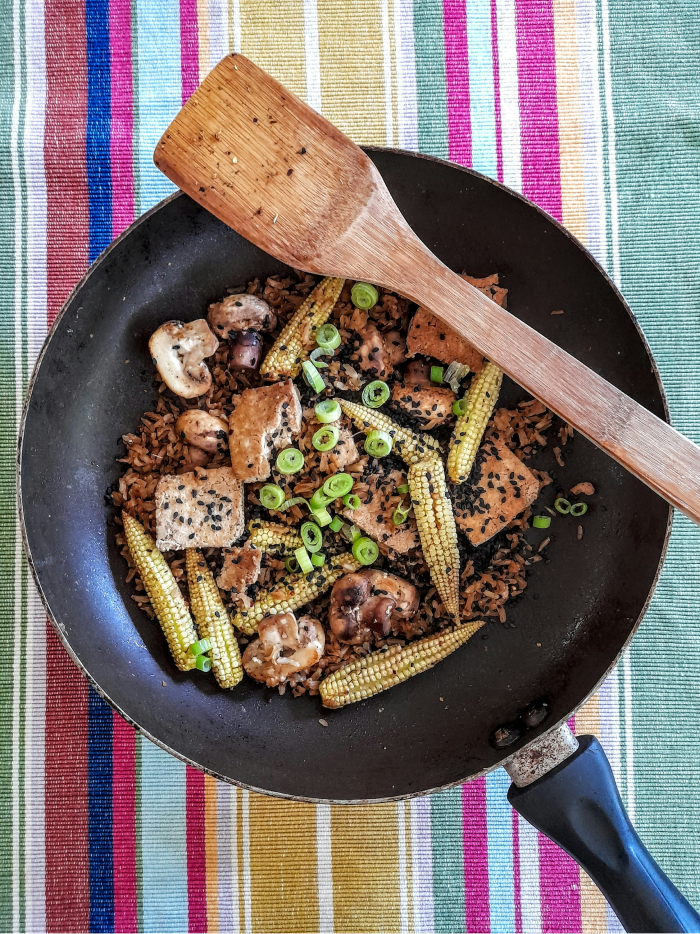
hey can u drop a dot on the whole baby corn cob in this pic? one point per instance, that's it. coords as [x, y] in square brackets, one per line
[288, 351]
[437, 529]
[387, 667]
[409, 445]
[213, 621]
[163, 592]
[270, 536]
[294, 591]
[470, 427]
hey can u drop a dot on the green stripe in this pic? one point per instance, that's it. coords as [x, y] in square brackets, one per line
[448, 861]
[657, 111]
[430, 77]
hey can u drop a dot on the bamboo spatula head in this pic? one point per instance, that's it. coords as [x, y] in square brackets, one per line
[266, 164]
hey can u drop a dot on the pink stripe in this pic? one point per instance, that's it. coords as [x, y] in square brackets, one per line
[496, 91]
[124, 825]
[122, 115]
[457, 78]
[196, 852]
[476, 861]
[189, 48]
[516, 874]
[539, 126]
[560, 890]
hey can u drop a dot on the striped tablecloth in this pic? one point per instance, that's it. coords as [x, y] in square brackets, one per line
[589, 107]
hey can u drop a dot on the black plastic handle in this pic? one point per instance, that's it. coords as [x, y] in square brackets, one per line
[578, 806]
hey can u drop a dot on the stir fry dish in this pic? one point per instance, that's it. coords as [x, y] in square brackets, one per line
[326, 496]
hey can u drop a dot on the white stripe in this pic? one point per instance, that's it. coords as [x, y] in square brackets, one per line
[312, 55]
[34, 751]
[629, 731]
[510, 102]
[405, 56]
[227, 859]
[529, 855]
[245, 827]
[324, 869]
[218, 31]
[612, 167]
[609, 704]
[422, 865]
[236, 18]
[388, 95]
[403, 867]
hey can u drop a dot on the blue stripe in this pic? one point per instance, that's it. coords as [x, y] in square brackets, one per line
[100, 813]
[499, 823]
[97, 131]
[482, 108]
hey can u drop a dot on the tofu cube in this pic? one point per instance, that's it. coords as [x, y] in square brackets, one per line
[201, 509]
[263, 420]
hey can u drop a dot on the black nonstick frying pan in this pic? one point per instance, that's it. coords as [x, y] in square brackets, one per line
[583, 603]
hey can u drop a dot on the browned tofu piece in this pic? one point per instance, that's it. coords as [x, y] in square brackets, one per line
[345, 450]
[263, 420]
[430, 405]
[200, 509]
[503, 489]
[374, 515]
[241, 568]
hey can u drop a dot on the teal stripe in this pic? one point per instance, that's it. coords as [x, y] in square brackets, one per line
[430, 77]
[482, 106]
[163, 841]
[448, 861]
[499, 822]
[657, 110]
[158, 92]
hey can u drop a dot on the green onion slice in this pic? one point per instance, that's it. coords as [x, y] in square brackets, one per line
[294, 501]
[199, 648]
[325, 438]
[338, 485]
[541, 522]
[312, 376]
[327, 411]
[352, 533]
[562, 505]
[459, 408]
[336, 524]
[455, 374]
[289, 461]
[302, 556]
[364, 295]
[351, 501]
[400, 515]
[578, 509]
[318, 560]
[403, 488]
[365, 550]
[317, 353]
[436, 374]
[292, 565]
[378, 443]
[328, 337]
[320, 500]
[311, 536]
[203, 662]
[322, 517]
[375, 393]
[271, 496]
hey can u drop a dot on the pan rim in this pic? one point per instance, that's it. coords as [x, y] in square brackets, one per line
[183, 758]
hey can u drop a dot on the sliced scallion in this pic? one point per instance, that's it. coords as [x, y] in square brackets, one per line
[294, 501]
[327, 411]
[318, 560]
[199, 648]
[400, 515]
[375, 394]
[292, 565]
[541, 522]
[311, 536]
[312, 376]
[271, 496]
[403, 488]
[352, 533]
[317, 353]
[378, 443]
[336, 524]
[338, 485]
[365, 550]
[455, 374]
[325, 438]
[302, 556]
[351, 501]
[562, 505]
[322, 517]
[436, 374]
[459, 408]
[320, 500]
[328, 337]
[289, 461]
[578, 509]
[203, 662]
[364, 295]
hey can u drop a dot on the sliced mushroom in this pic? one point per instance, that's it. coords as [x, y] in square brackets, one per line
[246, 351]
[372, 354]
[203, 430]
[283, 648]
[369, 601]
[178, 350]
[241, 312]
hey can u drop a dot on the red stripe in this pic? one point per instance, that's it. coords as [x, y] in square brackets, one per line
[64, 149]
[189, 48]
[67, 875]
[124, 825]
[476, 859]
[457, 78]
[196, 852]
[496, 90]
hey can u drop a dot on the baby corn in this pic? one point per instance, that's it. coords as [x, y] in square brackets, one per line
[213, 621]
[437, 529]
[409, 445]
[270, 536]
[294, 591]
[288, 352]
[469, 430]
[381, 670]
[167, 601]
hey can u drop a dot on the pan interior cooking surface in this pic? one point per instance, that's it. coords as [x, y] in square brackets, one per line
[94, 381]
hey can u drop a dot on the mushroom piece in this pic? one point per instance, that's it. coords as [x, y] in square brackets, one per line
[369, 601]
[372, 354]
[241, 312]
[395, 346]
[203, 430]
[178, 350]
[246, 351]
[283, 648]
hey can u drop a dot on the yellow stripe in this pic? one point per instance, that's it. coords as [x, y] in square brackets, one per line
[573, 199]
[283, 865]
[203, 30]
[352, 70]
[272, 35]
[210, 842]
[593, 917]
[365, 868]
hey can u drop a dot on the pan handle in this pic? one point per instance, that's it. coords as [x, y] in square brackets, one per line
[577, 805]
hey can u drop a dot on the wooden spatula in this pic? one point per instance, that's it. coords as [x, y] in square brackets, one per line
[257, 157]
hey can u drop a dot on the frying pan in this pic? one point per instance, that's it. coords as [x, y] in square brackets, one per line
[93, 380]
